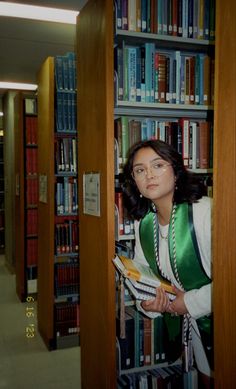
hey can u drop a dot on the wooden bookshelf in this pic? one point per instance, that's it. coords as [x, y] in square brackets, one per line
[95, 53]
[96, 154]
[2, 191]
[19, 199]
[26, 275]
[224, 218]
[50, 298]
[46, 209]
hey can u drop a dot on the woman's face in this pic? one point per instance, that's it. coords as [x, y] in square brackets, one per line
[153, 175]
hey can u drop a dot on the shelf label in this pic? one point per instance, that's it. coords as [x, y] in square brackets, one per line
[43, 188]
[91, 194]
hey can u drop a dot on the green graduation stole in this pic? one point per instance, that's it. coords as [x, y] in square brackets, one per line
[189, 265]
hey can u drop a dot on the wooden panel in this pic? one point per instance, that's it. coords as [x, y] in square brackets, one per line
[96, 154]
[224, 242]
[46, 210]
[19, 198]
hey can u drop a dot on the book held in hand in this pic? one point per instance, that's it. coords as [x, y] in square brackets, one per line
[140, 279]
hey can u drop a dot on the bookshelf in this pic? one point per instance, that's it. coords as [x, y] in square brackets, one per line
[95, 30]
[26, 195]
[224, 220]
[2, 208]
[58, 264]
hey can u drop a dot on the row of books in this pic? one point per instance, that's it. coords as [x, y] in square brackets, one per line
[124, 224]
[31, 123]
[65, 111]
[31, 160]
[183, 18]
[169, 377]
[66, 274]
[66, 290]
[66, 319]
[125, 248]
[32, 221]
[192, 139]
[67, 237]
[145, 342]
[66, 196]
[32, 252]
[32, 188]
[65, 72]
[66, 155]
[150, 75]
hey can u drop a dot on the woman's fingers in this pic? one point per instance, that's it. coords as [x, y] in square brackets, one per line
[159, 304]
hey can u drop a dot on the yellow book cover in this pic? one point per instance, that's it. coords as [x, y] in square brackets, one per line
[140, 272]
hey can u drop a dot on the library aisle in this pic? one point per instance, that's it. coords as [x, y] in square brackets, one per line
[25, 362]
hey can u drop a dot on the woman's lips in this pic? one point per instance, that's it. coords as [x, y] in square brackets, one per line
[152, 186]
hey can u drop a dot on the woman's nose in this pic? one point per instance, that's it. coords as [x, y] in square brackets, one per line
[149, 172]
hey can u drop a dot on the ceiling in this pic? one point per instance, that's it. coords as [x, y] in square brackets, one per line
[25, 44]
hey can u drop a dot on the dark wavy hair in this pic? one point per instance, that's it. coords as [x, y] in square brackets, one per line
[188, 186]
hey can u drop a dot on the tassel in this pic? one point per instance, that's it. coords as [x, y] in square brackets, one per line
[187, 342]
[122, 308]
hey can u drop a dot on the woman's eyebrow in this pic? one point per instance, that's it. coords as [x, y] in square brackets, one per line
[153, 160]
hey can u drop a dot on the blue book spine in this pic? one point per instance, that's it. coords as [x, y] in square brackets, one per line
[197, 80]
[190, 18]
[120, 70]
[73, 112]
[195, 18]
[143, 74]
[152, 71]
[201, 79]
[125, 74]
[185, 18]
[69, 104]
[59, 111]
[144, 130]
[144, 15]
[119, 14]
[65, 111]
[164, 17]
[65, 73]
[132, 66]
[66, 195]
[138, 74]
[71, 71]
[59, 72]
[160, 17]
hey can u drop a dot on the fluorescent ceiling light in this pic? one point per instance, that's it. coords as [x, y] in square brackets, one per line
[38, 13]
[17, 86]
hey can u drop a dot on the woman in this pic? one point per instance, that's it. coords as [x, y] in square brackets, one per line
[173, 235]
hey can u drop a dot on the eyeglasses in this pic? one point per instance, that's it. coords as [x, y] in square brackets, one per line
[156, 170]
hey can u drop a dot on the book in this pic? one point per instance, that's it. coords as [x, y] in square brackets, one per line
[142, 274]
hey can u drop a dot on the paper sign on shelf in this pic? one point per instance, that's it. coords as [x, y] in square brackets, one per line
[91, 193]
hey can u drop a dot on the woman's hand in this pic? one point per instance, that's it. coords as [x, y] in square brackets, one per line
[159, 304]
[177, 306]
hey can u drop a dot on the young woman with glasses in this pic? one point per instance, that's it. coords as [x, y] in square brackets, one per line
[173, 235]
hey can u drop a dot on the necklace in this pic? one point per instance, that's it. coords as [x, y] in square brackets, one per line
[187, 326]
[165, 237]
